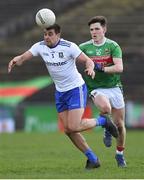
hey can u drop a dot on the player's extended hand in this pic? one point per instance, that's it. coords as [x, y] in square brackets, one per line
[13, 62]
[90, 72]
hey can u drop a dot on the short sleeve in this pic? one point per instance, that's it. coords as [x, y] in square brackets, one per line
[35, 49]
[75, 50]
[117, 52]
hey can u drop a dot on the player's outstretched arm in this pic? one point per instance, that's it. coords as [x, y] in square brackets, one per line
[18, 60]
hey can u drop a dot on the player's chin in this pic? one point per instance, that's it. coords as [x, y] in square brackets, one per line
[95, 38]
[49, 44]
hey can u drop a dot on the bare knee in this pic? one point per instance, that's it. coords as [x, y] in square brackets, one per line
[105, 109]
[70, 129]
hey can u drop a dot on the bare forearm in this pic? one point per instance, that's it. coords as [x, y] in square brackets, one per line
[18, 60]
[116, 68]
[113, 69]
[89, 64]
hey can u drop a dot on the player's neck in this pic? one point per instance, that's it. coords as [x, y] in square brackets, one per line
[56, 42]
[99, 42]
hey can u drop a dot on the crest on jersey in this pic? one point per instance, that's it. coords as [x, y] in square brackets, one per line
[107, 51]
[98, 52]
[61, 55]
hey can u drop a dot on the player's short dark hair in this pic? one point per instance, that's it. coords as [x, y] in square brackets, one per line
[56, 28]
[98, 19]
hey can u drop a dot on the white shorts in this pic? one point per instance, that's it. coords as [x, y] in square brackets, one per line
[114, 95]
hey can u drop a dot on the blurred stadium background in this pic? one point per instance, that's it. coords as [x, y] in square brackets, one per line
[27, 94]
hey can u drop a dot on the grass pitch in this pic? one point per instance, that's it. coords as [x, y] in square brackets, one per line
[52, 156]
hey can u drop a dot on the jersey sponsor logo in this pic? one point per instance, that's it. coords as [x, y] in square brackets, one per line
[101, 58]
[56, 64]
[106, 60]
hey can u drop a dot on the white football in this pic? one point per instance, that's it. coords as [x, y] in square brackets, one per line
[45, 18]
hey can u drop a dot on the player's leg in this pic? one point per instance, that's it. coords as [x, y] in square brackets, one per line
[119, 119]
[103, 104]
[68, 101]
[79, 141]
[118, 114]
[62, 104]
[76, 104]
[69, 107]
[77, 124]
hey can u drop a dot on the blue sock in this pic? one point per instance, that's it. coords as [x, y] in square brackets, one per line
[90, 155]
[101, 120]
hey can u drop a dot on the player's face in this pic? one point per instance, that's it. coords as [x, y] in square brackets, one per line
[97, 32]
[50, 37]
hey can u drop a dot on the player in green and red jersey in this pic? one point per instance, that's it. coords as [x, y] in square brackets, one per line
[106, 88]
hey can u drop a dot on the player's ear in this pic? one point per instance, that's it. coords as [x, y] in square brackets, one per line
[104, 29]
[59, 34]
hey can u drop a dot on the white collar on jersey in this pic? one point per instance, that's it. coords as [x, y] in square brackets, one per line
[104, 40]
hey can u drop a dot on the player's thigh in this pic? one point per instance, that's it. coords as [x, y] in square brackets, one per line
[75, 118]
[102, 103]
[64, 117]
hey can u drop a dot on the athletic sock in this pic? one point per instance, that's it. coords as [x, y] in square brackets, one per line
[90, 155]
[120, 150]
[101, 120]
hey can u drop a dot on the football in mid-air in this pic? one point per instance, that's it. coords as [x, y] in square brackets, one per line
[45, 18]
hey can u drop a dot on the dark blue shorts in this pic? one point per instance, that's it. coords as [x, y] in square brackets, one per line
[73, 99]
